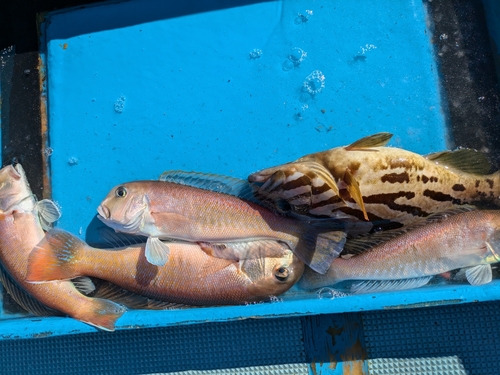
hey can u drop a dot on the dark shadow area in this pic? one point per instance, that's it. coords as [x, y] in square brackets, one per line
[467, 71]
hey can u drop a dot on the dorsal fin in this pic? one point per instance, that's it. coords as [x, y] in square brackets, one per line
[374, 140]
[213, 182]
[464, 159]
[366, 242]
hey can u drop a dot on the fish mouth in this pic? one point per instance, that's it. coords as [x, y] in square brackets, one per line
[132, 226]
[104, 213]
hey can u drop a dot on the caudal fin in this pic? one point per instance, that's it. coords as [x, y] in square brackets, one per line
[318, 250]
[103, 314]
[54, 257]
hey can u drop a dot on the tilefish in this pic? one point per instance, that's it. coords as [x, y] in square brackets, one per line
[174, 209]
[463, 238]
[367, 180]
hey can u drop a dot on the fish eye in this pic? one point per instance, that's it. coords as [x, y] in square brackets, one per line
[282, 273]
[121, 192]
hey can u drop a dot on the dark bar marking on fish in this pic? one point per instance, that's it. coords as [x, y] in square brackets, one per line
[418, 178]
[316, 190]
[405, 164]
[394, 178]
[477, 183]
[425, 179]
[490, 182]
[389, 201]
[434, 179]
[458, 187]
[354, 166]
[359, 214]
[440, 197]
[331, 200]
[294, 184]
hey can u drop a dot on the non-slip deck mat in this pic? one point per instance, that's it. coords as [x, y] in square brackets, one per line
[448, 340]
[210, 346]
[285, 369]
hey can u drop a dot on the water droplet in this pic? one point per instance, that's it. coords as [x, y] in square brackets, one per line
[27, 72]
[302, 18]
[314, 83]
[287, 65]
[120, 104]
[73, 161]
[274, 299]
[443, 37]
[297, 56]
[48, 151]
[255, 54]
[329, 293]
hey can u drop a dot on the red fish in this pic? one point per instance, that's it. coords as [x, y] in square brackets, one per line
[190, 276]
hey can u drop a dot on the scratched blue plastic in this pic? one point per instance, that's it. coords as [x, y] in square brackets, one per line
[136, 88]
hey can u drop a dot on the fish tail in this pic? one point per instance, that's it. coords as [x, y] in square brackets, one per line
[103, 314]
[319, 249]
[54, 258]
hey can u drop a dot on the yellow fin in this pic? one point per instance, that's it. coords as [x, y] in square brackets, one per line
[374, 140]
[464, 159]
[354, 191]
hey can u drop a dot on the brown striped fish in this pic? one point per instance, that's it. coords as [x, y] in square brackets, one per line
[369, 181]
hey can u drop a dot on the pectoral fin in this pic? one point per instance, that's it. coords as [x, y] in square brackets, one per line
[479, 275]
[354, 191]
[49, 210]
[156, 251]
[374, 286]
[321, 249]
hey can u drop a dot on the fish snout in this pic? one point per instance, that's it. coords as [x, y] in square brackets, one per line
[104, 211]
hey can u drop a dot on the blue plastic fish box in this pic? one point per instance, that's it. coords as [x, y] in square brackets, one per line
[135, 88]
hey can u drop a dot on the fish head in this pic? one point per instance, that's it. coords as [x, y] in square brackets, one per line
[124, 208]
[15, 191]
[272, 276]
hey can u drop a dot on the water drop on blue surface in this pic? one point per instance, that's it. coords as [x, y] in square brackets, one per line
[73, 161]
[287, 65]
[301, 18]
[297, 56]
[48, 151]
[314, 82]
[120, 104]
[255, 54]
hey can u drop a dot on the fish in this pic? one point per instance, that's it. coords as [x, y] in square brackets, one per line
[190, 276]
[368, 181]
[463, 238]
[169, 210]
[15, 193]
[20, 232]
